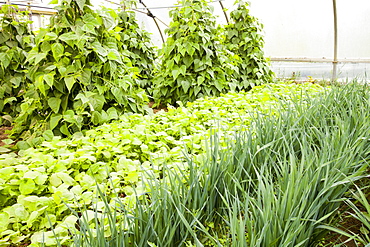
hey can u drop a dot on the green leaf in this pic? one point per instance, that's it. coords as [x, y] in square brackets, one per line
[45, 47]
[175, 72]
[37, 141]
[96, 118]
[57, 50]
[69, 116]
[49, 78]
[188, 61]
[99, 49]
[97, 102]
[9, 100]
[108, 20]
[55, 180]
[112, 113]
[64, 130]
[54, 120]
[40, 57]
[20, 212]
[4, 36]
[200, 80]
[81, 4]
[218, 85]
[4, 60]
[16, 80]
[32, 218]
[118, 94]
[40, 84]
[89, 28]
[112, 55]
[68, 36]
[50, 68]
[90, 18]
[85, 77]
[8, 118]
[177, 58]
[8, 141]
[66, 178]
[4, 150]
[27, 186]
[54, 103]
[104, 117]
[31, 174]
[185, 85]
[50, 36]
[4, 221]
[82, 97]
[70, 81]
[23, 145]
[190, 49]
[183, 70]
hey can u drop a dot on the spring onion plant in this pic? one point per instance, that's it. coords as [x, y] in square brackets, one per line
[275, 183]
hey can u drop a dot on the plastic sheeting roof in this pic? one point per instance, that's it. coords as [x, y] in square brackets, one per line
[295, 31]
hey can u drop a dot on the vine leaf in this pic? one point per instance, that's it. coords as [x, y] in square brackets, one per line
[68, 36]
[70, 81]
[49, 79]
[54, 120]
[57, 50]
[54, 104]
[39, 57]
[81, 4]
[5, 60]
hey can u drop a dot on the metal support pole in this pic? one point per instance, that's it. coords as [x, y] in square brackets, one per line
[150, 14]
[30, 15]
[335, 61]
[225, 14]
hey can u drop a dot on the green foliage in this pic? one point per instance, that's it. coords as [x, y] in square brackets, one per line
[122, 157]
[82, 74]
[138, 42]
[15, 42]
[243, 37]
[193, 61]
[271, 184]
[294, 170]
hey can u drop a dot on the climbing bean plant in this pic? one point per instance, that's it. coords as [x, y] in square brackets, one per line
[15, 42]
[138, 42]
[244, 39]
[193, 62]
[82, 74]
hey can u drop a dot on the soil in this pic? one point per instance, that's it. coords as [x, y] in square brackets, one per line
[348, 223]
[4, 134]
[157, 108]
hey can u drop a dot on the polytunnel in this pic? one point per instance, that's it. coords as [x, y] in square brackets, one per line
[303, 39]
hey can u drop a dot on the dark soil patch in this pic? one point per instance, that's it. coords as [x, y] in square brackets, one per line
[157, 108]
[21, 244]
[4, 132]
[347, 222]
